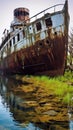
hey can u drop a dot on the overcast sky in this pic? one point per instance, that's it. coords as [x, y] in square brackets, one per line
[35, 6]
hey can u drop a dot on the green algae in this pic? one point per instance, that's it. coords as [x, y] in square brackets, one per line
[61, 86]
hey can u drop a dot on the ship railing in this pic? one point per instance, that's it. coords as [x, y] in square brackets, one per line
[52, 9]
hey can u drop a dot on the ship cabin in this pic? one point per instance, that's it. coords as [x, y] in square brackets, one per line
[26, 32]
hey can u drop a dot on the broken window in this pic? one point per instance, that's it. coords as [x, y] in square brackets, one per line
[18, 37]
[48, 22]
[13, 40]
[38, 26]
[10, 43]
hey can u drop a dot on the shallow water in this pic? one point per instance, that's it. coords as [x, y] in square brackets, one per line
[21, 111]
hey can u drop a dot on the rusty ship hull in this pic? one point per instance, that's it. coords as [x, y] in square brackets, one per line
[45, 51]
[32, 60]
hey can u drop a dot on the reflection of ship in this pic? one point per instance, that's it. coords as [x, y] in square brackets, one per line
[20, 113]
[27, 109]
[33, 46]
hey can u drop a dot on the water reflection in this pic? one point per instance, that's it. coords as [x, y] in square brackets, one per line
[12, 115]
[70, 113]
[20, 110]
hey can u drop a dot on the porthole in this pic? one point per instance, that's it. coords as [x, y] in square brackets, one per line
[48, 43]
[40, 43]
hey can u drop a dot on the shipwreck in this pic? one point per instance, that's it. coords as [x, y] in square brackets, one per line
[36, 45]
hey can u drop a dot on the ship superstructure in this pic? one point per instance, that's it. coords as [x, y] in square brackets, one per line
[36, 45]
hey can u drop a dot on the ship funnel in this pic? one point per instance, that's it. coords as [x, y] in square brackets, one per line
[21, 14]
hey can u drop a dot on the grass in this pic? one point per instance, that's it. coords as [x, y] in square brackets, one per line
[61, 86]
